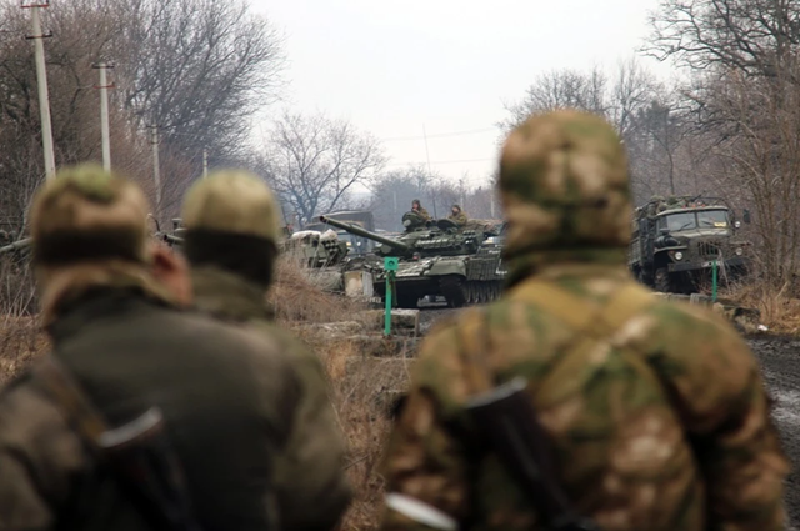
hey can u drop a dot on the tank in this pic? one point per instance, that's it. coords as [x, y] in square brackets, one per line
[436, 259]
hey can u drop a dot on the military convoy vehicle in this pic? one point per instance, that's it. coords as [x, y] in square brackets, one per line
[436, 259]
[493, 246]
[676, 241]
[356, 245]
[321, 254]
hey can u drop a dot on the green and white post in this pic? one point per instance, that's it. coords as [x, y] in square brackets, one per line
[713, 281]
[390, 267]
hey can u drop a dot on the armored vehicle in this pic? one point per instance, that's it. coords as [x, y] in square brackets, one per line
[436, 258]
[320, 254]
[676, 240]
[493, 246]
[356, 245]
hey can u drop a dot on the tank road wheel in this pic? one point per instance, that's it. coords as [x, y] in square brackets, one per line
[454, 291]
[406, 300]
[661, 282]
[495, 291]
[470, 290]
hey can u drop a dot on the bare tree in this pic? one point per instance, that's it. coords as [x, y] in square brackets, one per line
[755, 37]
[560, 89]
[313, 161]
[745, 94]
[616, 98]
[198, 68]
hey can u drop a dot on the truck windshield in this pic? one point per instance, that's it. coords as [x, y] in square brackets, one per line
[712, 218]
[695, 219]
[682, 221]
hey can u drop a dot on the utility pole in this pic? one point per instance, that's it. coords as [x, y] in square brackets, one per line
[205, 163]
[104, 133]
[156, 169]
[41, 81]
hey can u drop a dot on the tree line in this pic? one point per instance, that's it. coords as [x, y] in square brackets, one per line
[727, 123]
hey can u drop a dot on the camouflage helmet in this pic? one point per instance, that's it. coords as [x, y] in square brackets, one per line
[563, 182]
[232, 201]
[457, 207]
[87, 214]
[231, 223]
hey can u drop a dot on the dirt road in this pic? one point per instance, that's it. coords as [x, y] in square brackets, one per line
[780, 361]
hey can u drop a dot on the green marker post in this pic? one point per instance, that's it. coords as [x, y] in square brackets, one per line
[390, 266]
[713, 281]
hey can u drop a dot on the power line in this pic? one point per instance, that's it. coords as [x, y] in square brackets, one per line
[440, 162]
[462, 132]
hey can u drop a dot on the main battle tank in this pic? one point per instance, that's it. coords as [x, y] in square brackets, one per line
[436, 258]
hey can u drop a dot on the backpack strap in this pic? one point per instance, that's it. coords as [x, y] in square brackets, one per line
[589, 320]
[55, 381]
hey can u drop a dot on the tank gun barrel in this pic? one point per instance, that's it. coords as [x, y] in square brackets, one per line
[15, 246]
[358, 231]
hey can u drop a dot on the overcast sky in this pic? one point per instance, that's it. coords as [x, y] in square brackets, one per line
[392, 68]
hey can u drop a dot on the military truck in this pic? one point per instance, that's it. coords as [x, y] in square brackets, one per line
[676, 241]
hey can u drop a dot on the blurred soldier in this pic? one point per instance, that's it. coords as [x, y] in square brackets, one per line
[416, 206]
[654, 412]
[144, 416]
[457, 216]
[232, 228]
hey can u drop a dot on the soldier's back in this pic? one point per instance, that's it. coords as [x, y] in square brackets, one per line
[227, 406]
[646, 402]
[309, 470]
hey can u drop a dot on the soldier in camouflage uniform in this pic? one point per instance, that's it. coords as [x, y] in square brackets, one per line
[656, 410]
[416, 206]
[232, 226]
[457, 216]
[229, 402]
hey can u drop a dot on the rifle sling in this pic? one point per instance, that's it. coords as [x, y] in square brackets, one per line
[589, 322]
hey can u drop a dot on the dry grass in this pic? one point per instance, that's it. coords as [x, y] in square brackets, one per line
[297, 297]
[359, 386]
[780, 310]
[359, 383]
[20, 342]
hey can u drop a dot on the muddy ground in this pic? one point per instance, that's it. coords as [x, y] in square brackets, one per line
[780, 361]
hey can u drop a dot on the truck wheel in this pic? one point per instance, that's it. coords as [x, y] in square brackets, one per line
[662, 280]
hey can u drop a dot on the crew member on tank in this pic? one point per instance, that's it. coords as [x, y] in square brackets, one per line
[457, 216]
[416, 206]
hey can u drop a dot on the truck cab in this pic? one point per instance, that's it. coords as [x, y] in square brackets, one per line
[676, 242]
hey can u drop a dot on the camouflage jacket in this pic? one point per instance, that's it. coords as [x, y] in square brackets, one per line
[424, 214]
[228, 399]
[313, 492]
[661, 423]
[459, 218]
